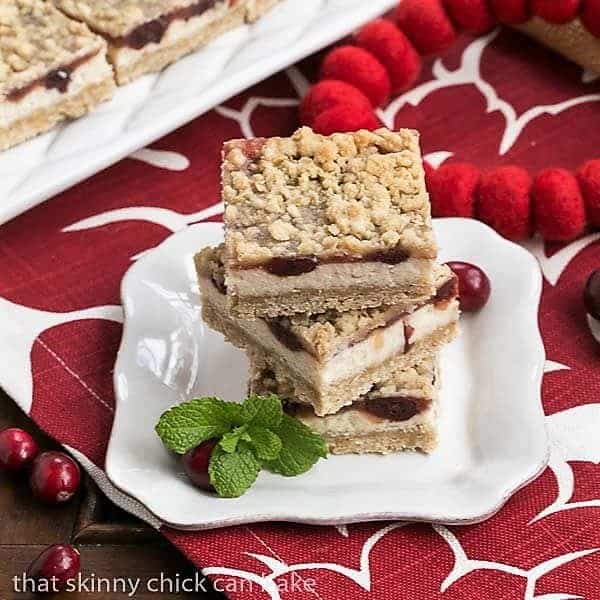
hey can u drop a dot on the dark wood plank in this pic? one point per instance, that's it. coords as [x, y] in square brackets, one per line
[23, 519]
[112, 543]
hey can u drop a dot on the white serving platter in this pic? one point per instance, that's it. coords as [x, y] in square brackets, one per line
[492, 434]
[155, 105]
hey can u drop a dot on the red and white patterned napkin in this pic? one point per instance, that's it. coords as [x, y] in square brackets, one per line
[495, 100]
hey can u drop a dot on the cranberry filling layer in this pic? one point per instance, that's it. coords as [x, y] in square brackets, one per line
[152, 32]
[394, 408]
[58, 79]
[390, 408]
[299, 265]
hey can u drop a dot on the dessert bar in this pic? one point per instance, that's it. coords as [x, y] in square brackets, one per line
[314, 222]
[398, 414]
[51, 68]
[144, 36]
[334, 357]
[257, 8]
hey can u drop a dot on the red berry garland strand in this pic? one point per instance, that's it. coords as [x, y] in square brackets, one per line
[511, 12]
[426, 24]
[393, 50]
[474, 16]
[558, 12]
[385, 60]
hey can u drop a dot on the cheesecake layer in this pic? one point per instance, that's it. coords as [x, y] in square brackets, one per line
[398, 414]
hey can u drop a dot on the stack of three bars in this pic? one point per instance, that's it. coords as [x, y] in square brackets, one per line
[328, 279]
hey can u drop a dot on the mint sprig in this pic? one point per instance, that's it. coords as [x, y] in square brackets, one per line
[253, 435]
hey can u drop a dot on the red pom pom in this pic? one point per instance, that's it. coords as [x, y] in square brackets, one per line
[511, 12]
[590, 16]
[426, 24]
[359, 68]
[344, 118]
[589, 181]
[555, 11]
[452, 190]
[473, 16]
[393, 50]
[329, 93]
[503, 201]
[558, 209]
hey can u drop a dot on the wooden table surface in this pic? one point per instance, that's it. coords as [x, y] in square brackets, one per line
[112, 543]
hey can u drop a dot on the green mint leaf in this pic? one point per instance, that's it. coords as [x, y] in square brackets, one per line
[187, 425]
[264, 411]
[232, 474]
[301, 449]
[264, 442]
[229, 441]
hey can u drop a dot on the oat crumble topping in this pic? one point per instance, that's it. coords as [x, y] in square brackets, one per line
[346, 194]
[117, 18]
[36, 38]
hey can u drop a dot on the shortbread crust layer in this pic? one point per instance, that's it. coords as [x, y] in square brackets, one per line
[355, 429]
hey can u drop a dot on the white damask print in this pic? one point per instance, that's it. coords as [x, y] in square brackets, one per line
[21, 327]
[552, 267]
[573, 436]
[469, 73]
[463, 565]
[164, 159]
[278, 568]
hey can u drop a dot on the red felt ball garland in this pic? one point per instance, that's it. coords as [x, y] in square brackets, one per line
[385, 60]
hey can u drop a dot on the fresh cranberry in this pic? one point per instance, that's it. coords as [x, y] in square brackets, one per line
[591, 295]
[56, 566]
[196, 461]
[55, 477]
[17, 449]
[473, 285]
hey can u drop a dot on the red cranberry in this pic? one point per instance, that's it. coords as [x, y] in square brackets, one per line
[473, 285]
[591, 295]
[55, 477]
[56, 566]
[17, 449]
[196, 461]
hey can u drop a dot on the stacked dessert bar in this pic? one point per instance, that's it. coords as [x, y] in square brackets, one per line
[328, 279]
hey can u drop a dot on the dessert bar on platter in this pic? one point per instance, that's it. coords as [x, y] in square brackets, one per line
[331, 358]
[51, 68]
[144, 36]
[400, 413]
[60, 58]
[315, 223]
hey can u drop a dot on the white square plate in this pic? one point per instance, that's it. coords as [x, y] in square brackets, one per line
[40, 168]
[492, 435]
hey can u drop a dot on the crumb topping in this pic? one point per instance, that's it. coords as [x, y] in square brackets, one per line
[36, 38]
[117, 18]
[346, 194]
